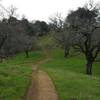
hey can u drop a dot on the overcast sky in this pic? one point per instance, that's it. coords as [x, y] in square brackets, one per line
[43, 9]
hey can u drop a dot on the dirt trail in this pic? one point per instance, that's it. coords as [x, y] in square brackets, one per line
[41, 87]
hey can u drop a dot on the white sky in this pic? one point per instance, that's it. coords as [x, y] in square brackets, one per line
[43, 9]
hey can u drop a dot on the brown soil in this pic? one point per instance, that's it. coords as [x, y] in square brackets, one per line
[41, 87]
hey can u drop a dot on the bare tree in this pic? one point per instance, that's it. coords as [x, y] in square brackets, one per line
[12, 11]
[15, 35]
[63, 39]
[84, 24]
[3, 34]
[56, 22]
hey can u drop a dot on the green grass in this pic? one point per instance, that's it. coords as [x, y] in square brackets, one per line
[15, 75]
[68, 76]
[21, 58]
[70, 79]
[47, 41]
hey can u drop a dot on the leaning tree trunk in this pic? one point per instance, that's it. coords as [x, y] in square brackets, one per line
[89, 67]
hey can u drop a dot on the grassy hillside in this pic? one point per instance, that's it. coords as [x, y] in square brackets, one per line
[47, 41]
[15, 75]
[70, 79]
[68, 74]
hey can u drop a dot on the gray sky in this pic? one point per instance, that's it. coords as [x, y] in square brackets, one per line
[43, 9]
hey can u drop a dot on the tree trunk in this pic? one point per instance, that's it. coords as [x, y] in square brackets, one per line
[66, 52]
[89, 67]
[27, 53]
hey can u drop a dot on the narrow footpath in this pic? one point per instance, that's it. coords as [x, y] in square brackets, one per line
[41, 87]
